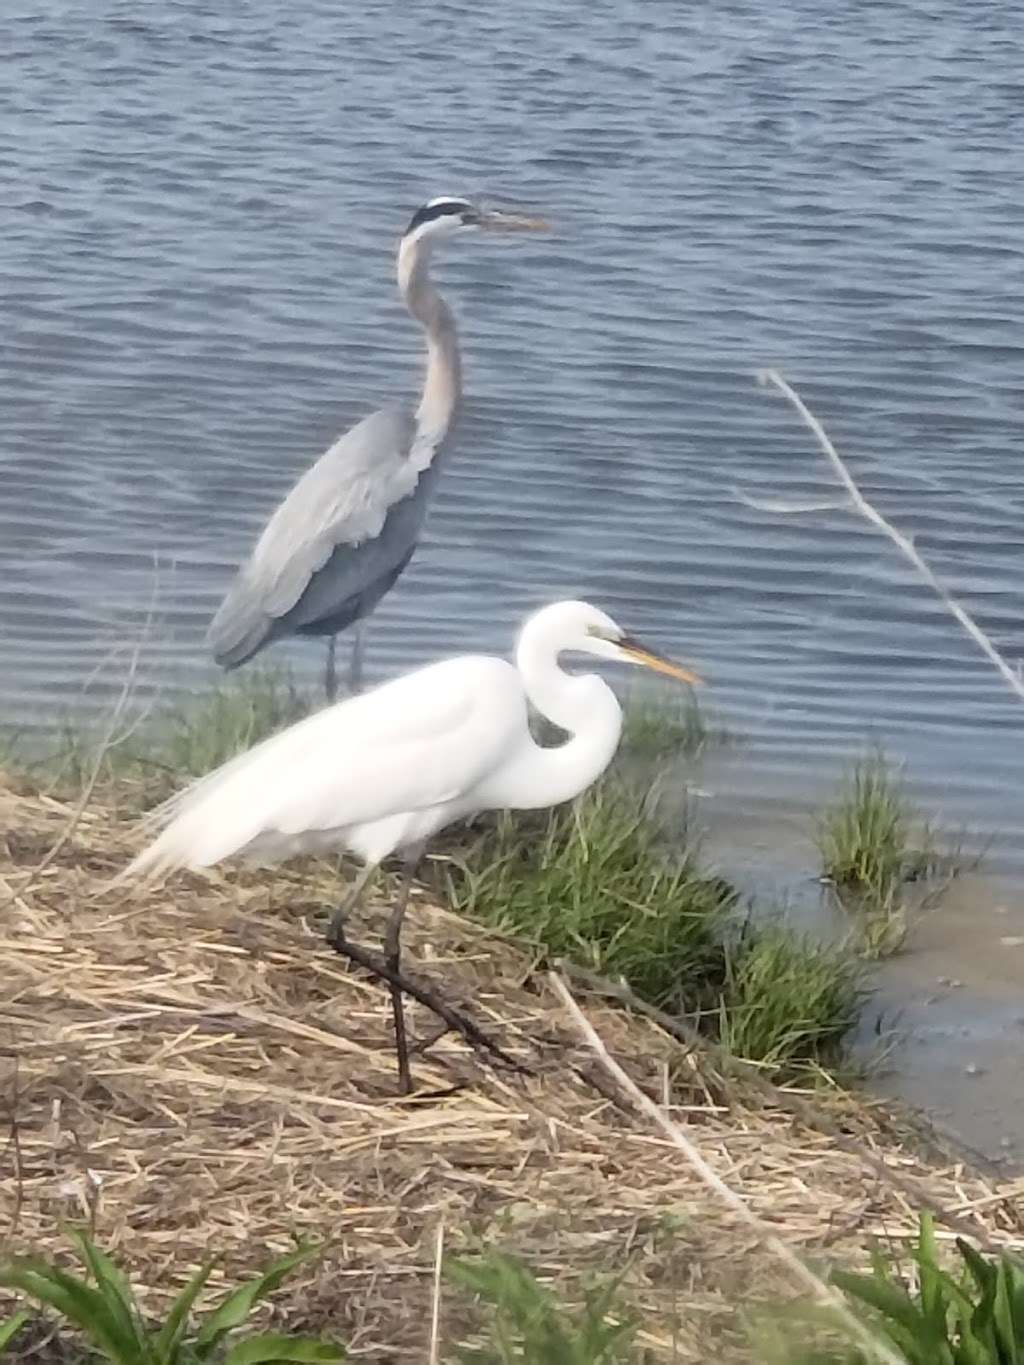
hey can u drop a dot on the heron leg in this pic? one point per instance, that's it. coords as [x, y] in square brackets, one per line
[330, 671]
[393, 959]
[355, 671]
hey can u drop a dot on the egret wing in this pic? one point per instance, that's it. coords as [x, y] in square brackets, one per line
[421, 741]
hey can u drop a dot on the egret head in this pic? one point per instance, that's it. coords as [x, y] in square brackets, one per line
[579, 626]
[448, 216]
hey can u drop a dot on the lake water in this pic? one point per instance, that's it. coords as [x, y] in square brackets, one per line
[199, 208]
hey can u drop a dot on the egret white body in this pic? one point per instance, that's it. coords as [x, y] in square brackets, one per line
[385, 770]
[382, 772]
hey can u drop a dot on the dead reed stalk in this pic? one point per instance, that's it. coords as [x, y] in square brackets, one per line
[903, 543]
[876, 1348]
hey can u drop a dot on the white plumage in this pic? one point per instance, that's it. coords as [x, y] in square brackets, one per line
[383, 771]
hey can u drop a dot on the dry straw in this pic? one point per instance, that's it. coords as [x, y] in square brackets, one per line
[805, 1277]
[191, 1068]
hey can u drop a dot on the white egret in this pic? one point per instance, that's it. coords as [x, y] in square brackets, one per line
[381, 772]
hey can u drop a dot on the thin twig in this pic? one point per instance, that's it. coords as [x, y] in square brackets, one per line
[903, 543]
[104, 747]
[624, 994]
[823, 1292]
[813, 1116]
[435, 1312]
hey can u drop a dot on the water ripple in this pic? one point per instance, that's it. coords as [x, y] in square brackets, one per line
[198, 216]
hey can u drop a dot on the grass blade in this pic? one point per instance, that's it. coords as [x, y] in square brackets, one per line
[113, 1285]
[83, 1307]
[529, 1324]
[169, 1337]
[984, 1275]
[903, 1320]
[10, 1328]
[272, 1348]
[932, 1281]
[1009, 1342]
[235, 1309]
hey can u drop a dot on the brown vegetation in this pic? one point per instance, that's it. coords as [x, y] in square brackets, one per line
[193, 1071]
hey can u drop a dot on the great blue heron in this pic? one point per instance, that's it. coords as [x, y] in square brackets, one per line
[384, 771]
[348, 528]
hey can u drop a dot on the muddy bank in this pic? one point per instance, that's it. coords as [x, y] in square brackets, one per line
[950, 1014]
[944, 1028]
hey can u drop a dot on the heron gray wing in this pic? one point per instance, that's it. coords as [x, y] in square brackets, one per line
[336, 512]
[356, 577]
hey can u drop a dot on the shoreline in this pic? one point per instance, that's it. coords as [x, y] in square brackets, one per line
[940, 1030]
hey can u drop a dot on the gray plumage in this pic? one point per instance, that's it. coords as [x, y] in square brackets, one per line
[336, 544]
[348, 528]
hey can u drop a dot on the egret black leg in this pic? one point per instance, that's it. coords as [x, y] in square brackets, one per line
[393, 961]
[392, 952]
[330, 671]
[386, 966]
[355, 670]
[336, 928]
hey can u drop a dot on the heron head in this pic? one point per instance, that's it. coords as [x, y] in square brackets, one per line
[448, 216]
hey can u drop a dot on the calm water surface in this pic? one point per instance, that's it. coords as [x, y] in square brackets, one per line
[198, 210]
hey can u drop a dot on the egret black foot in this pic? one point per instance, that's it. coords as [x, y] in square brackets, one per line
[377, 965]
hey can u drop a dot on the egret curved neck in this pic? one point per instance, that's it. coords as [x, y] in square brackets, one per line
[442, 388]
[585, 706]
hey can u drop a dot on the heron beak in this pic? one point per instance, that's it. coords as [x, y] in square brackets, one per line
[493, 220]
[640, 654]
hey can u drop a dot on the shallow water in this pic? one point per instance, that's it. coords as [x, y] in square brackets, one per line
[943, 1026]
[198, 212]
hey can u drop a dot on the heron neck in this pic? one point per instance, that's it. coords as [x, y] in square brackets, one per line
[442, 387]
[585, 706]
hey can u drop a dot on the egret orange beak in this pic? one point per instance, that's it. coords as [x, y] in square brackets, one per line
[494, 220]
[649, 658]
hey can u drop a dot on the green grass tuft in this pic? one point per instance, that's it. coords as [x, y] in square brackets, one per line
[528, 1326]
[593, 882]
[863, 838]
[873, 846]
[103, 1307]
[788, 999]
[176, 741]
[667, 723]
[603, 884]
[189, 738]
[931, 1313]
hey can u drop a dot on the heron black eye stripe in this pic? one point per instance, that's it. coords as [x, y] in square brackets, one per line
[429, 212]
